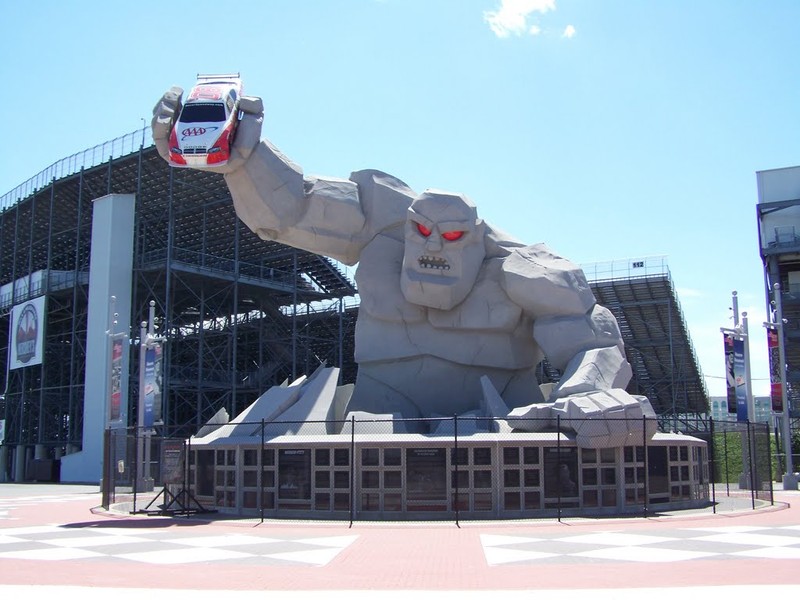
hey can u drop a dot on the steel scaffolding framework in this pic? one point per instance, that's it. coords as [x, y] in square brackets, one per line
[642, 296]
[240, 314]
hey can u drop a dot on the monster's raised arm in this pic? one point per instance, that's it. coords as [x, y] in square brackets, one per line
[334, 217]
[271, 195]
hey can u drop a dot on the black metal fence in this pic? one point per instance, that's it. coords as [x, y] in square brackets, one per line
[742, 457]
[460, 468]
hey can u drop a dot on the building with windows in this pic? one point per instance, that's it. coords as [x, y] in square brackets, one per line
[778, 212]
[719, 409]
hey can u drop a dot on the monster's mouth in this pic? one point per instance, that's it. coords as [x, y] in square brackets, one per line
[433, 262]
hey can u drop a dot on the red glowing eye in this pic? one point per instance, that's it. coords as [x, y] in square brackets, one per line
[424, 231]
[452, 236]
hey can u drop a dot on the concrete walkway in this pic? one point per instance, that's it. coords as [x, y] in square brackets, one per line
[53, 537]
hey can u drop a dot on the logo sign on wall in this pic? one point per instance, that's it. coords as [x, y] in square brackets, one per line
[27, 334]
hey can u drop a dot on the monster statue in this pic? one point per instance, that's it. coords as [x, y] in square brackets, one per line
[455, 315]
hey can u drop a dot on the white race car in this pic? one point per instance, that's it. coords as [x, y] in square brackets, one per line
[203, 133]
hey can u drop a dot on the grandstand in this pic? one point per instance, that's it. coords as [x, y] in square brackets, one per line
[240, 314]
[642, 296]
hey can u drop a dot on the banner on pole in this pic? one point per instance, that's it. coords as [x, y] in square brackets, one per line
[740, 380]
[730, 376]
[152, 385]
[115, 383]
[158, 367]
[775, 380]
[149, 385]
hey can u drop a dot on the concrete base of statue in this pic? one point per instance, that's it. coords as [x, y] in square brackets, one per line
[297, 452]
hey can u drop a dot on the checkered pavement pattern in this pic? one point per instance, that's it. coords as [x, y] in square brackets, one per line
[673, 545]
[6, 504]
[165, 546]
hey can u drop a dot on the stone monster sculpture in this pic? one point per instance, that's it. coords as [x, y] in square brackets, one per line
[455, 315]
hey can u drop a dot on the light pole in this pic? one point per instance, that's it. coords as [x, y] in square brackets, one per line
[745, 406]
[144, 483]
[148, 339]
[741, 332]
[789, 477]
[748, 383]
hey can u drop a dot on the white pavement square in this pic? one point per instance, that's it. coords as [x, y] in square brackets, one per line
[166, 546]
[672, 545]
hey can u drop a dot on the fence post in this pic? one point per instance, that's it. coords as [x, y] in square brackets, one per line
[352, 467]
[456, 461]
[769, 466]
[558, 465]
[261, 473]
[135, 465]
[755, 466]
[186, 492]
[778, 446]
[646, 466]
[751, 465]
[107, 484]
[712, 461]
[727, 466]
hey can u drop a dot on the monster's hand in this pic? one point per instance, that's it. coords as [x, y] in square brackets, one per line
[165, 112]
[248, 130]
[599, 419]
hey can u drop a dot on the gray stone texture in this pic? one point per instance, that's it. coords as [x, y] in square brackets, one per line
[455, 315]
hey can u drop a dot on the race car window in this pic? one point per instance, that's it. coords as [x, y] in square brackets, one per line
[203, 113]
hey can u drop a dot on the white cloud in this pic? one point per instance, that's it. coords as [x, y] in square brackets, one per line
[569, 32]
[512, 16]
[682, 291]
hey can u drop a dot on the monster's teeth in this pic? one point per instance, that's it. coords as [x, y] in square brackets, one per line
[431, 262]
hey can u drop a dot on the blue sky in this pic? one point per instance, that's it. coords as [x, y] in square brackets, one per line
[609, 129]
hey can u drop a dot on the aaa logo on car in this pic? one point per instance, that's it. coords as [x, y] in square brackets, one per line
[195, 131]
